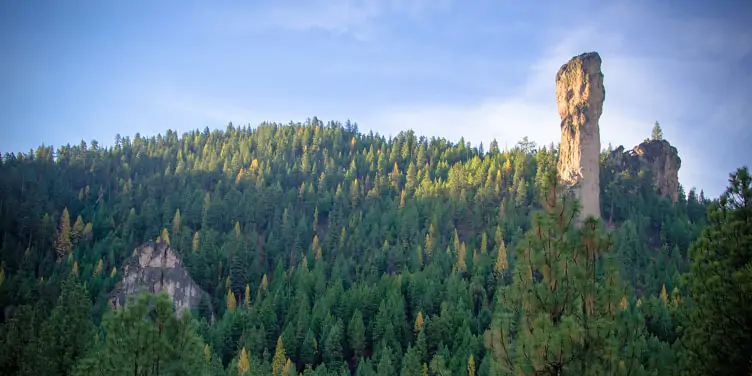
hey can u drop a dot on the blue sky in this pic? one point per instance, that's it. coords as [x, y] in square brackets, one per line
[72, 70]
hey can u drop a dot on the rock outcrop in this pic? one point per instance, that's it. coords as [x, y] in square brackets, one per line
[657, 156]
[156, 268]
[580, 95]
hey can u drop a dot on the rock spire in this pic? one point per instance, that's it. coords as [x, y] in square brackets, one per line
[580, 95]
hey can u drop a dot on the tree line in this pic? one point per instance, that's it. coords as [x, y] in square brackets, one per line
[326, 251]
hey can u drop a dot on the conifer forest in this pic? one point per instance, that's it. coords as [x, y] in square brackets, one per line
[316, 249]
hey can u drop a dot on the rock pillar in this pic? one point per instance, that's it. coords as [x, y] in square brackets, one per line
[580, 95]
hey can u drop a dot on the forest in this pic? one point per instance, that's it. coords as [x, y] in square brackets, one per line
[323, 250]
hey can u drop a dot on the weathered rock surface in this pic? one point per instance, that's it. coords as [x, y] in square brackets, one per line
[156, 268]
[659, 157]
[580, 95]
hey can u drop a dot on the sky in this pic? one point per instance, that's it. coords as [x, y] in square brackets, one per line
[479, 69]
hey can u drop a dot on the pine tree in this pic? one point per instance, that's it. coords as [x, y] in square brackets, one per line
[418, 323]
[63, 243]
[462, 259]
[483, 243]
[502, 263]
[559, 309]
[244, 364]
[65, 336]
[456, 242]
[87, 233]
[165, 237]
[357, 333]
[664, 294]
[230, 301]
[718, 332]
[411, 363]
[288, 369]
[77, 231]
[280, 358]
[308, 349]
[333, 346]
[176, 223]
[316, 248]
[657, 134]
[145, 335]
[196, 242]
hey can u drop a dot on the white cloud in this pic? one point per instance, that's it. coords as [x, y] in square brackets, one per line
[656, 67]
[640, 89]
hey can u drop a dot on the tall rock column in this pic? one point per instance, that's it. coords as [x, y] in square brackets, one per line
[580, 95]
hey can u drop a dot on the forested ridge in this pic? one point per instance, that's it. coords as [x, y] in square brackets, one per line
[326, 251]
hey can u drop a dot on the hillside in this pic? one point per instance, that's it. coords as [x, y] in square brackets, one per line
[339, 244]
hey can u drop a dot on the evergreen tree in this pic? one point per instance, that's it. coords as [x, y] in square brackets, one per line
[63, 243]
[657, 133]
[309, 349]
[244, 363]
[718, 333]
[556, 317]
[145, 338]
[66, 335]
[357, 333]
[333, 346]
[278, 363]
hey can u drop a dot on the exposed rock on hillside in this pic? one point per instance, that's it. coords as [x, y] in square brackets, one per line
[659, 157]
[156, 268]
[580, 95]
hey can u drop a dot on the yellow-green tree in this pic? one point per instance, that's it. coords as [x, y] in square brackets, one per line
[483, 243]
[418, 323]
[231, 303]
[165, 237]
[244, 364]
[63, 245]
[196, 242]
[502, 263]
[78, 230]
[280, 358]
[471, 366]
[462, 258]
[176, 223]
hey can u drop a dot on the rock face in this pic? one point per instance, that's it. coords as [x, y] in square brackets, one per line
[580, 95]
[156, 268]
[659, 157]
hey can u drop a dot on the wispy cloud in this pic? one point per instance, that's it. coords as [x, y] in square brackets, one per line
[685, 72]
[641, 87]
[358, 19]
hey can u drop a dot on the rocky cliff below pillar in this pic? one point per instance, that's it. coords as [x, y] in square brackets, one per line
[156, 268]
[657, 156]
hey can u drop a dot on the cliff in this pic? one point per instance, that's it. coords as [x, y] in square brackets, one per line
[579, 95]
[657, 156]
[156, 268]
